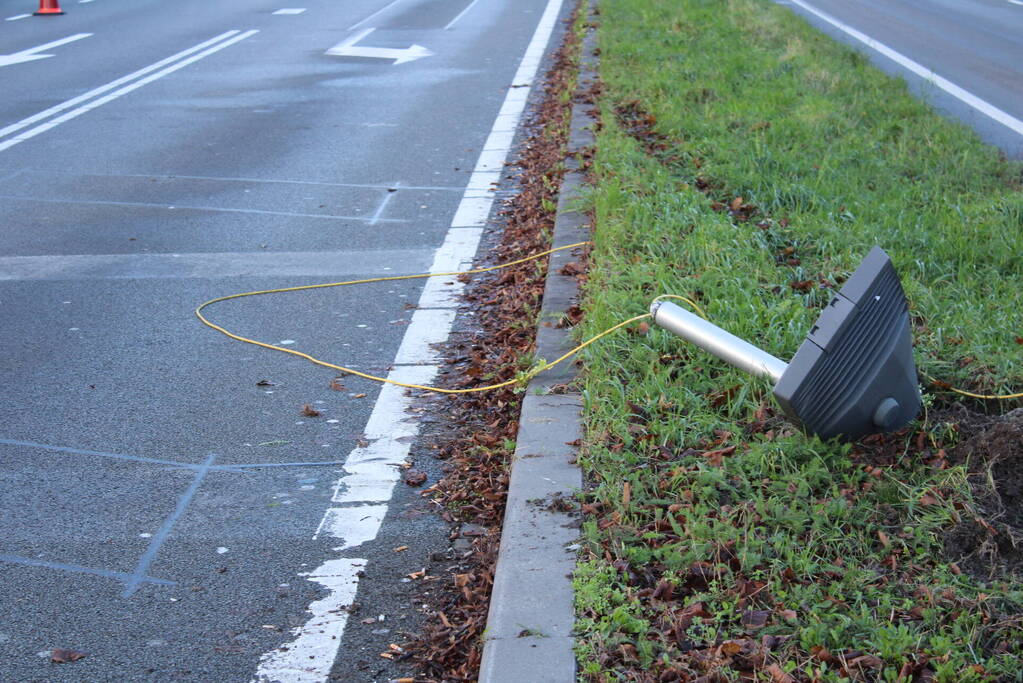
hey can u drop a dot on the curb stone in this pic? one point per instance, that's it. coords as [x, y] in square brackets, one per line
[532, 613]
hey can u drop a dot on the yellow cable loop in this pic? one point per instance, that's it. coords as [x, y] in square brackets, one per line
[351, 371]
[542, 366]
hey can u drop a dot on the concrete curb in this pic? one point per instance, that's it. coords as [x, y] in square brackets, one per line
[529, 625]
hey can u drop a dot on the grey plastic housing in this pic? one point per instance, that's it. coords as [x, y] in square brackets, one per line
[854, 374]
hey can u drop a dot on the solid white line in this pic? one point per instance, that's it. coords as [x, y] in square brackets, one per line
[461, 14]
[290, 10]
[18, 16]
[46, 113]
[74, 113]
[952, 89]
[379, 11]
[1016, 2]
[309, 657]
[360, 497]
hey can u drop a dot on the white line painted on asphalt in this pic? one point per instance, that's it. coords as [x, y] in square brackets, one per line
[42, 171]
[355, 525]
[290, 10]
[371, 471]
[374, 15]
[1016, 2]
[191, 207]
[18, 16]
[32, 53]
[461, 14]
[177, 61]
[1002, 117]
[348, 48]
[433, 326]
[309, 657]
[348, 263]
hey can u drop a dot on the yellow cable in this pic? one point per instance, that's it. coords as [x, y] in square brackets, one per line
[987, 397]
[542, 366]
[688, 301]
[351, 371]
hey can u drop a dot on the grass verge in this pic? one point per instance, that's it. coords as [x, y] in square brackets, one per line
[749, 162]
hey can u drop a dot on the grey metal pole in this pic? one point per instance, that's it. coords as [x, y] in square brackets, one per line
[713, 339]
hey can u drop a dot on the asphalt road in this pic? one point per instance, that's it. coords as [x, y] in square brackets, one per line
[976, 45]
[167, 508]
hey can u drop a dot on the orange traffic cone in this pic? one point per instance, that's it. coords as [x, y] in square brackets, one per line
[49, 7]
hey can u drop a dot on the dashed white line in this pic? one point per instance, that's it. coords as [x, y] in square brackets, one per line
[18, 16]
[291, 10]
[360, 498]
[1002, 117]
[176, 62]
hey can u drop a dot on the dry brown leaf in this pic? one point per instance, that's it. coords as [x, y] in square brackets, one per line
[309, 411]
[415, 477]
[778, 674]
[62, 655]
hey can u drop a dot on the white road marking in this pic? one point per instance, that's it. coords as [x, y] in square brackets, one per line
[1016, 2]
[290, 10]
[32, 53]
[18, 16]
[461, 14]
[84, 2]
[433, 326]
[374, 15]
[348, 48]
[361, 495]
[1002, 117]
[177, 61]
[309, 657]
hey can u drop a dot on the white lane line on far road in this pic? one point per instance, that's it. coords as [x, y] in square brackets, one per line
[374, 15]
[18, 16]
[35, 118]
[461, 14]
[290, 10]
[1002, 117]
[233, 38]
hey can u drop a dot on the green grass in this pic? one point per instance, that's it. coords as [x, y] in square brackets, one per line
[747, 101]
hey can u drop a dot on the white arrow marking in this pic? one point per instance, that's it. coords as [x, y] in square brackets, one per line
[30, 54]
[348, 48]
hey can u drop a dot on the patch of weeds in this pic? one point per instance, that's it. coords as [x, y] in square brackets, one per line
[748, 162]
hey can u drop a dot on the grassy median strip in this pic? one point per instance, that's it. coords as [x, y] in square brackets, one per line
[749, 162]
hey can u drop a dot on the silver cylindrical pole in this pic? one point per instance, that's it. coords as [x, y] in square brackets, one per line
[713, 339]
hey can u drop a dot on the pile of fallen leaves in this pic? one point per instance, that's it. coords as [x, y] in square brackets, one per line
[505, 306]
